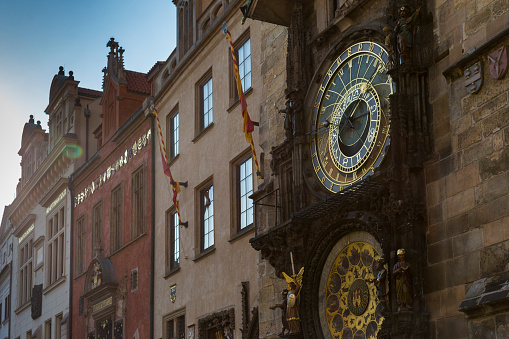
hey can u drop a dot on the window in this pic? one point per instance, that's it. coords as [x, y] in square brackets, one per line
[134, 279]
[172, 128]
[172, 239]
[1, 312]
[58, 325]
[7, 304]
[174, 327]
[97, 226]
[207, 217]
[56, 246]
[138, 203]
[81, 238]
[206, 103]
[29, 334]
[244, 60]
[25, 282]
[243, 55]
[245, 189]
[47, 329]
[117, 211]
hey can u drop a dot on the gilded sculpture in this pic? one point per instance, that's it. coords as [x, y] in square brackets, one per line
[402, 272]
[293, 300]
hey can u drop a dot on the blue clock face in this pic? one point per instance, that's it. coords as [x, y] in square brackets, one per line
[351, 118]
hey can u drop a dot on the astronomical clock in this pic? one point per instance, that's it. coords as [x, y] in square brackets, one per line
[351, 118]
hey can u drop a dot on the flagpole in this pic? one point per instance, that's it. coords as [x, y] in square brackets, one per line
[175, 186]
[247, 124]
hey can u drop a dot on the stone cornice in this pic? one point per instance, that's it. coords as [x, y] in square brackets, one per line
[42, 181]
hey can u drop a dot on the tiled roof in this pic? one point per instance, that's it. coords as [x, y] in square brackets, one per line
[137, 82]
[91, 93]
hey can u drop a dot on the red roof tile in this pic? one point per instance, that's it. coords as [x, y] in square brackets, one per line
[137, 82]
[91, 93]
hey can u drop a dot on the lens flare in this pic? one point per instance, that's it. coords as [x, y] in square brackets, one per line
[73, 151]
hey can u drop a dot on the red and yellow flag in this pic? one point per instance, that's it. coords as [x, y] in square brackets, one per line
[247, 124]
[175, 186]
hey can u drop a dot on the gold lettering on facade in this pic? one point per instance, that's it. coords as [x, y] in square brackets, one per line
[113, 168]
[27, 232]
[102, 304]
[54, 203]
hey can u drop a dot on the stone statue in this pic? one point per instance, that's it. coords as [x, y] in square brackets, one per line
[381, 282]
[404, 34]
[283, 306]
[390, 47]
[403, 274]
[293, 300]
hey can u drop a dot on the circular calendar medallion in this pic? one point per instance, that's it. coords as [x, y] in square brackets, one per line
[358, 297]
[350, 303]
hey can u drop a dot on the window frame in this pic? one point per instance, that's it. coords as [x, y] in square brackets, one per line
[239, 197]
[138, 230]
[200, 249]
[55, 265]
[117, 224]
[174, 318]
[98, 205]
[173, 245]
[81, 239]
[235, 202]
[25, 269]
[200, 99]
[173, 145]
[240, 42]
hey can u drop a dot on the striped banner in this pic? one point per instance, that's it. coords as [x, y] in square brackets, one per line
[175, 186]
[247, 124]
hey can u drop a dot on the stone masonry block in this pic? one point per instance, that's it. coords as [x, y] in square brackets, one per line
[502, 325]
[462, 180]
[498, 140]
[478, 20]
[494, 259]
[440, 169]
[477, 151]
[491, 211]
[495, 122]
[499, 7]
[452, 327]
[457, 225]
[460, 203]
[463, 270]
[435, 277]
[440, 251]
[435, 213]
[436, 233]
[468, 103]
[482, 329]
[451, 299]
[492, 189]
[495, 164]
[496, 231]
[436, 192]
[467, 242]
[491, 89]
[490, 107]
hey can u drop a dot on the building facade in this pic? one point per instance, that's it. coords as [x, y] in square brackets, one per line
[6, 248]
[40, 213]
[112, 218]
[390, 188]
[205, 269]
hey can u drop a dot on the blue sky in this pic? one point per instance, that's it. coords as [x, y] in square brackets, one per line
[36, 37]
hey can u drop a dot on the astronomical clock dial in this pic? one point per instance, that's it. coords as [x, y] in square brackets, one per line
[351, 118]
[352, 309]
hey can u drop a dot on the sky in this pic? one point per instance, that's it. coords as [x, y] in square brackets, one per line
[36, 37]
